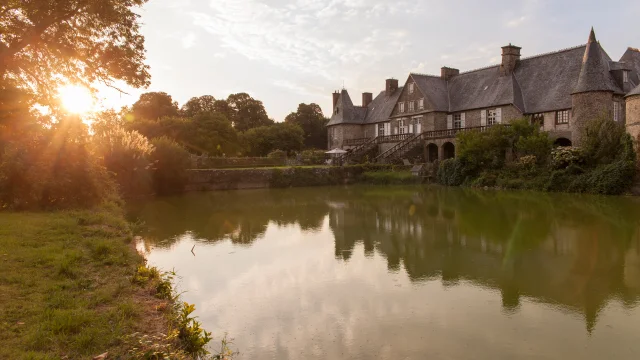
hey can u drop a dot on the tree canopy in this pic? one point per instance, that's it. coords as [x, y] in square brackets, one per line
[153, 106]
[199, 105]
[262, 140]
[310, 118]
[46, 43]
[248, 113]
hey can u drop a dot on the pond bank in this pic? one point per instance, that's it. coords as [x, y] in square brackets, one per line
[262, 178]
[74, 286]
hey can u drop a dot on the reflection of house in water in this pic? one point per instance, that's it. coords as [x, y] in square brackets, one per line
[520, 252]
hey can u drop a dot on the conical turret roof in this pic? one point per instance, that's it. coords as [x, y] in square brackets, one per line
[594, 75]
[634, 92]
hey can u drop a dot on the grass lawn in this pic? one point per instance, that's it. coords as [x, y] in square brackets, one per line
[66, 289]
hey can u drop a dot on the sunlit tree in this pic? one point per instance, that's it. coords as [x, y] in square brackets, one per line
[44, 44]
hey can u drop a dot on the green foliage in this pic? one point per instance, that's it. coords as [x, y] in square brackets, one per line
[212, 134]
[313, 157]
[483, 150]
[126, 155]
[153, 106]
[53, 168]
[536, 144]
[605, 141]
[247, 112]
[45, 43]
[263, 140]
[277, 154]
[171, 162]
[562, 157]
[205, 104]
[452, 172]
[310, 118]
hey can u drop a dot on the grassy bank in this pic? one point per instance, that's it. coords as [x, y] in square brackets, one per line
[72, 286]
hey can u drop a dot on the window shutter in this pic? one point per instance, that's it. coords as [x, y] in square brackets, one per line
[449, 121]
[387, 129]
[411, 127]
[462, 121]
[395, 130]
[483, 117]
[499, 115]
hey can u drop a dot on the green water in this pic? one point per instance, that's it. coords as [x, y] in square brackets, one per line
[406, 272]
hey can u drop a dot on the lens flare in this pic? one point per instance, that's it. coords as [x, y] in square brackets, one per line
[76, 99]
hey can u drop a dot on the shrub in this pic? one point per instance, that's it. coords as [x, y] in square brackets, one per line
[126, 156]
[537, 145]
[527, 163]
[562, 157]
[277, 154]
[171, 162]
[312, 157]
[611, 179]
[451, 172]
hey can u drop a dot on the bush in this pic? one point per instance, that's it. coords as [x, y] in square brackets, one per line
[605, 141]
[537, 145]
[562, 157]
[171, 162]
[277, 154]
[312, 157]
[126, 156]
[53, 169]
[389, 178]
[451, 172]
[611, 179]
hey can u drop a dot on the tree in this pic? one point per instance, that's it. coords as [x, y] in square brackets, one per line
[153, 106]
[262, 140]
[47, 43]
[199, 105]
[312, 121]
[211, 133]
[248, 113]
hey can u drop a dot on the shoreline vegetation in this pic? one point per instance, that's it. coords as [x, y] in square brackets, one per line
[73, 286]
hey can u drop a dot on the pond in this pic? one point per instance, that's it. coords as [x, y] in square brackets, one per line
[405, 272]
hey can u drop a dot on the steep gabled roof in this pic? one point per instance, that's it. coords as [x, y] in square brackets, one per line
[434, 89]
[632, 58]
[479, 89]
[347, 113]
[382, 106]
[595, 75]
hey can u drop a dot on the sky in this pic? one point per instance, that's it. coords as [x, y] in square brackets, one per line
[289, 52]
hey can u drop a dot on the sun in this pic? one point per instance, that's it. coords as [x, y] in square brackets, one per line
[76, 99]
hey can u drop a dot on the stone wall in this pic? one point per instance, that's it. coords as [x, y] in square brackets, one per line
[633, 117]
[587, 106]
[339, 133]
[242, 179]
[202, 162]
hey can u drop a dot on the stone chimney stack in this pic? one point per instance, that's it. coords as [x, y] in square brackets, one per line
[391, 86]
[367, 98]
[336, 96]
[510, 59]
[447, 73]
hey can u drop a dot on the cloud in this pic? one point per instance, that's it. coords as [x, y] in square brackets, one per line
[189, 40]
[516, 22]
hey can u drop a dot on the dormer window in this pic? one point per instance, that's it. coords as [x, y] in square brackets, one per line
[411, 106]
[401, 107]
[411, 88]
[421, 104]
[625, 76]
[337, 111]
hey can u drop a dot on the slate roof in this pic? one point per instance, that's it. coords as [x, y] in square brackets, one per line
[541, 83]
[378, 110]
[635, 91]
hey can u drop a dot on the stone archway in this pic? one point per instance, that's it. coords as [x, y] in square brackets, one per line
[564, 142]
[448, 151]
[432, 152]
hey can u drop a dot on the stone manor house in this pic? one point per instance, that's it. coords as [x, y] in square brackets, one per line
[559, 91]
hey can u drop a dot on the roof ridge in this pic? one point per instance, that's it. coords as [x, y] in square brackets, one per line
[478, 69]
[553, 52]
[421, 74]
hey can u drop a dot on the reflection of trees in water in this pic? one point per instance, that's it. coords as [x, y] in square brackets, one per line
[241, 216]
[562, 249]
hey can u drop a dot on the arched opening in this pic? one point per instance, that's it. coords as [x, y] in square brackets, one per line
[432, 152]
[449, 150]
[562, 142]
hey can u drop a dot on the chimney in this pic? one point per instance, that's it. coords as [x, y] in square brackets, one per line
[447, 73]
[391, 86]
[336, 96]
[510, 59]
[367, 98]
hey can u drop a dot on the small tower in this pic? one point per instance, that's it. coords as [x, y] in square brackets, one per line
[633, 114]
[593, 94]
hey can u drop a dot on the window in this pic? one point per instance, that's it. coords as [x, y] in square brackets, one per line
[421, 104]
[411, 88]
[457, 121]
[401, 126]
[411, 106]
[625, 76]
[380, 129]
[562, 117]
[616, 111]
[401, 107]
[337, 111]
[491, 117]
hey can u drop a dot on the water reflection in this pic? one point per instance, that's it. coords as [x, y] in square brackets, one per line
[574, 253]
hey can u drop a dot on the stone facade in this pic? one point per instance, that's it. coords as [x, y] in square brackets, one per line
[587, 106]
[339, 133]
[633, 114]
